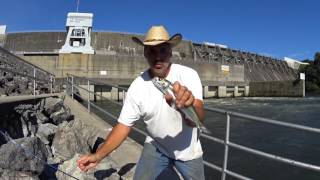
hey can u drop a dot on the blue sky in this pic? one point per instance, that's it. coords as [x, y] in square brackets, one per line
[275, 28]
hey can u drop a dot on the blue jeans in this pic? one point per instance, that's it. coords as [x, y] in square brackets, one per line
[152, 162]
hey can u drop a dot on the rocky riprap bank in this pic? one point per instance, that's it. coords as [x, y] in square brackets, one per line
[41, 138]
[12, 85]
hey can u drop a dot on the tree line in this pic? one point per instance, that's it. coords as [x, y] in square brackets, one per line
[312, 72]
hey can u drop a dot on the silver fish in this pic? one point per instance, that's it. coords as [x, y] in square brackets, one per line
[165, 86]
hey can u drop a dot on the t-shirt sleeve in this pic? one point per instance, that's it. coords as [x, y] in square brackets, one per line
[130, 111]
[192, 81]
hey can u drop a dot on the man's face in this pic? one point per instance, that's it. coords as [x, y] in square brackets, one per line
[158, 58]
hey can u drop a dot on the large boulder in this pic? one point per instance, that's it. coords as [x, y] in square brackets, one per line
[87, 133]
[41, 118]
[28, 118]
[17, 175]
[52, 105]
[25, 154]
[61, 115]
[46, 132]
[68, 141]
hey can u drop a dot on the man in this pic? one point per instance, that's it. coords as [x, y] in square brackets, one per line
[172, 138]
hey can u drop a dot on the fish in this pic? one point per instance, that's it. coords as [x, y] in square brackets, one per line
[165, 86]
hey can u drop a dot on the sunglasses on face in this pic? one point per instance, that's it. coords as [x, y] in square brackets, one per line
[163, 49]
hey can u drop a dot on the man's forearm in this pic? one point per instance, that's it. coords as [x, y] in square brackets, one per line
[198, 107]
[118, 134]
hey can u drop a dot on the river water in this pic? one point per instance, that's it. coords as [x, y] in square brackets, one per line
[285, 142]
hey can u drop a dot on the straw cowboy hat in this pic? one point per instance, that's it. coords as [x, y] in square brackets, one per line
[157, 35]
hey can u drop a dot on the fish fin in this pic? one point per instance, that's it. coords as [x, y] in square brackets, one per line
[205, 130]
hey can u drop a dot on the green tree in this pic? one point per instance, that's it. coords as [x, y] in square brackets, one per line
[312, 72]
[317, 59]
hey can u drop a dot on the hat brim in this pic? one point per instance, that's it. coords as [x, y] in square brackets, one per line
[173, 41]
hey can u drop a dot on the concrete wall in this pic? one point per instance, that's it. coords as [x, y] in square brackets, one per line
[2, 38]
[123, 60]
[128, 67]
[102, 42]
[277, 88]
[48, 63]
[35, 41]
[261, 71]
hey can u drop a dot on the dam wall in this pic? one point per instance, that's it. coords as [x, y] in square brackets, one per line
[277, 88]
[30, 42]
[2, 37]
[118, 60]
[115, 53]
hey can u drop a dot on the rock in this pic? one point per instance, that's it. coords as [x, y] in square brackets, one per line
[106, 169]
[11, 88]
[17, 175]
[68, 141]
[2, 82]
[41, 118]
[22, 83]
[9, 77]
[4, 138]
[46, 132]
[52, 105]
[62, 115]
[12, 84]
[127, 171]
[87, 133]
[25, 129]
[29, 123]
[21, 108]
[20, 155]
[50, 155]
[28, 119]
[65, 124]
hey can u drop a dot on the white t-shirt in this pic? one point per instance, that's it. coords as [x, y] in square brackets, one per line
[165, 126]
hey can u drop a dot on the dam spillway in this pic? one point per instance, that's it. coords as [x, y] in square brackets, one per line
[224, 72]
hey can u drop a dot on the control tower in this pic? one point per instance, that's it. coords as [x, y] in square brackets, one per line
[79, 27]
[2, 34]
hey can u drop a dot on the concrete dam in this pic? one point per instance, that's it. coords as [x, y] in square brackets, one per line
[117, 60]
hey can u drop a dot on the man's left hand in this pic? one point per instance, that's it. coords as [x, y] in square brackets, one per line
[183, 96]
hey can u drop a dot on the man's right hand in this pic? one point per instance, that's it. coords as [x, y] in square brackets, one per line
[87, 162]
[118, 134]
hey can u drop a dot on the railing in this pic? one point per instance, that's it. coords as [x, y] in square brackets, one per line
[18, 66]
[34, 78]
[226, 142]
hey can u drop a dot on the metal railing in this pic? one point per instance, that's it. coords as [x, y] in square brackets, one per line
[13, 64]
[226, 141]
[33, 77]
